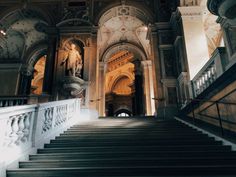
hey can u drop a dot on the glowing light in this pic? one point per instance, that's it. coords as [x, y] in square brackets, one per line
[145, 28]
[3, 32]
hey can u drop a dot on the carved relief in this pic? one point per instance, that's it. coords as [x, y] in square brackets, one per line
[76, 13]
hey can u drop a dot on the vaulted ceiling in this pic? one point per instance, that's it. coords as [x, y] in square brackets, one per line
[20, 33]
[123, 24]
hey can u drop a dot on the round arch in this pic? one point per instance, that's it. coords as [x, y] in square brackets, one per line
[65, 22]
[115, 80]
[27, 69]
[140, 8]
[121, 110]
[136, 50]
[36, 11]
[36, 53]
[75, 38]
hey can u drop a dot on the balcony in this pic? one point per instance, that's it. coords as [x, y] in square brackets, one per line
[212, 70]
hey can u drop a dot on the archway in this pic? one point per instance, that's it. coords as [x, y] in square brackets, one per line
[38, 76]
[124, 49]
[119, 83]
[22, 43]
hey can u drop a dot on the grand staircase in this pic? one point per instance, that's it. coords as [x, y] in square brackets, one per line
[130, 147]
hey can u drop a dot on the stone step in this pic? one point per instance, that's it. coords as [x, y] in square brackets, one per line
[117, 155]
[156, 129]
[150, 134]
[214, 148]
[139, 171]
[127, 162]
[64, 143]
[128, 138]
[130, 148]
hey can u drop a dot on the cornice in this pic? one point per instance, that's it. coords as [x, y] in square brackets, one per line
[191, 11]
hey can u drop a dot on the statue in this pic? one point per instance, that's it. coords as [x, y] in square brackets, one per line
[74, 62]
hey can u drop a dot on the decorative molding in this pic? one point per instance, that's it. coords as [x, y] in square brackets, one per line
[193, 12]
[73, 86]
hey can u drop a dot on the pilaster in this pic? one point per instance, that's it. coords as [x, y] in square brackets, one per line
[195, 38]
[102, 95]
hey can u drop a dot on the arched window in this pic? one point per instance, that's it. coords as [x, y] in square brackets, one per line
[123, 114]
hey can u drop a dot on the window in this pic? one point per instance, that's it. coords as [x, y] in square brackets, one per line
[123, 115]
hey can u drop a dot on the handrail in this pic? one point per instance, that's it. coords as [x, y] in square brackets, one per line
[6, 101]
[214, 102]
[25, 128]
[212, 70]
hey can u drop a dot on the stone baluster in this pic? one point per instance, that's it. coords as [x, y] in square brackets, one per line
[209, 75]
[201, 84]
[26, 130]
[213, 73]
[14, 130]
[21, 127]
[8, 133]
[207, 78]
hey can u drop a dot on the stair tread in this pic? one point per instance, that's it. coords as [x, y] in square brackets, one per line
[97, 150]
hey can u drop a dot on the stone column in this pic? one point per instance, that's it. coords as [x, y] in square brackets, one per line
[148, 87]
[25, 82]
[93, 74]
[229, 35]
[49, 67]
[226, 10]
[195, 38]
[138, 88]
[102, 95]
[151, 83]
[87, 50]
[156, 68]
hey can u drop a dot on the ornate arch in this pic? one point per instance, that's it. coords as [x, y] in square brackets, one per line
[76, 38]
[149, 16]
[74, 20]
[136, 50]
[114, 80]
[36, 52]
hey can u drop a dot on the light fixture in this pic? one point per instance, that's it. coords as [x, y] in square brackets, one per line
[3, 32]
[145, 28]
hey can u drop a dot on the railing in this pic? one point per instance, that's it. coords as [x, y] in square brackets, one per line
[6, 101]
[210, 71]
[215, 111]
[23, 129]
